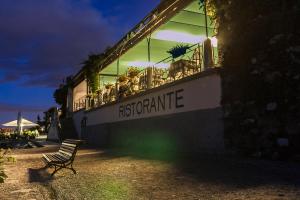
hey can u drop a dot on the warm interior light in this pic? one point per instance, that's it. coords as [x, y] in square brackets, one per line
[182, 37]
[144, 64]
[179, 37]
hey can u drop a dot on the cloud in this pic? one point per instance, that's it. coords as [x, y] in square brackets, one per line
[13, 108]
[41, 42]
[9, 78]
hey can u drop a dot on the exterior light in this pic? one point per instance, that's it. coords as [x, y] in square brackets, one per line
[144, 64]
[214, 41]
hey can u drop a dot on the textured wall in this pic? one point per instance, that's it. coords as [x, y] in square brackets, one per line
[195, 131]
[191, 121]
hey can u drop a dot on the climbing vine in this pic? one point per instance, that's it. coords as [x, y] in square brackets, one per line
[260, 55]
[91, 70]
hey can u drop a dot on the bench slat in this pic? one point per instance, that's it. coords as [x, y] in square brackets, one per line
[53, 159]
[72, 141]
[69, 144]
[46, 158]
[61, 158]
[67, 157]
[66, 153]
[66, 148]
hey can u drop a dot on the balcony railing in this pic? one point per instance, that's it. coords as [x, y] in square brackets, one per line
[148, 78]
[80, 103]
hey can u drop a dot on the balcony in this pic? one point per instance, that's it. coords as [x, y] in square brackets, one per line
[141, 78]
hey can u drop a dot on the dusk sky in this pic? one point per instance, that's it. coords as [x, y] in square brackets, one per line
[43, 41]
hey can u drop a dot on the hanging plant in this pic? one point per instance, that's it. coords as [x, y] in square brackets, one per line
[210, 10]
[91, 70]
[178, 51]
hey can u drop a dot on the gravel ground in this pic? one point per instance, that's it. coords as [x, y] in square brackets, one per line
[108, 176]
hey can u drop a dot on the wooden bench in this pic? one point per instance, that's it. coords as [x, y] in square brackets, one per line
[64, 157]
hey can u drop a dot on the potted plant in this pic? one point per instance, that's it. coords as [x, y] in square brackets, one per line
[133, 74]
[107, 93]
[178, 50]
[123, 86]
[123, 79]
[99, 96]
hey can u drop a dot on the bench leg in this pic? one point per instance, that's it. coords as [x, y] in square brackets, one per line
[74, 171]
[57, 168]
[45, 167]
[71, 168]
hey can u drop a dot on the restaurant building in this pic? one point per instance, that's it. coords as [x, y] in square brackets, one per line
[161, 80]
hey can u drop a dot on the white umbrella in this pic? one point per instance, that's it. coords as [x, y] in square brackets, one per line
[24, 123]
[20, 123]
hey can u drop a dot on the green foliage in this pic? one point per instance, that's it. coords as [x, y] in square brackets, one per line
[3, 176]
[260, 78]
[178, 50]
[4, 158]
[47, 118]
[7, 136]
[91, 69]
[31, 134]
[61, 94]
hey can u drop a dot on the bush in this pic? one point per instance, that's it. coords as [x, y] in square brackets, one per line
[31, 134]
[5, 136]
[4, 158]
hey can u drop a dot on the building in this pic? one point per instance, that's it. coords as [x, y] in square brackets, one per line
[160, 81]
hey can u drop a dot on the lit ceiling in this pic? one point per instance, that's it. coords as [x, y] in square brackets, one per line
[187, 27]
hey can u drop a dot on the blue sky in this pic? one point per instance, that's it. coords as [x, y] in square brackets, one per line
[43, 41]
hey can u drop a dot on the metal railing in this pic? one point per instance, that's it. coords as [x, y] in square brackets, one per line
[151, 77]
[80, 103]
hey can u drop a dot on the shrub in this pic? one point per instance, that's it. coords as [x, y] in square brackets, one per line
[30, 134]
[4, 158]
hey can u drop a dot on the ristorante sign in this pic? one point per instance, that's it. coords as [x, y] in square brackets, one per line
[155, 104]
[198, 94]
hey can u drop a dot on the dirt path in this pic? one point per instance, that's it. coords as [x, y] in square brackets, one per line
[107, 176]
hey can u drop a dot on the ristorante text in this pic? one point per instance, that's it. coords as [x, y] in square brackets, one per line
[160, 103]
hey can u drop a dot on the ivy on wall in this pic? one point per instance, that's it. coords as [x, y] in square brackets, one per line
[91, 70]
[260, 54]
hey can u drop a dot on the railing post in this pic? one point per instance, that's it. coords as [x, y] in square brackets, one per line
[208, 54]
[87, 100]
[150, 68]
[149, 77]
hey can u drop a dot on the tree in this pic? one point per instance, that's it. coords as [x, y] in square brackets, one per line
[61, 95]
[47, 118]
